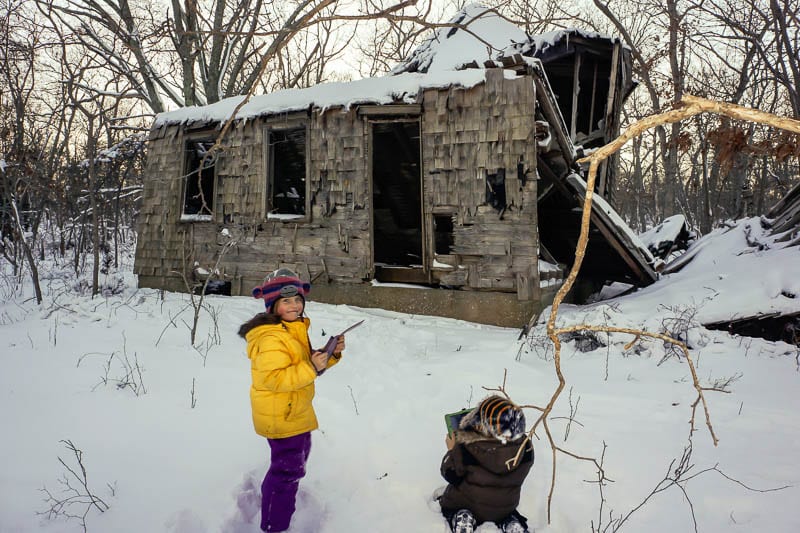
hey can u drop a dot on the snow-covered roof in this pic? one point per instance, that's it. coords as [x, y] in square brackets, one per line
[540, 43]
[667, 230]
[477, 34]
[450, 47]
[403, 88]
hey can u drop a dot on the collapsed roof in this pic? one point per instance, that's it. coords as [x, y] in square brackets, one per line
[743, 277]
[668, 239]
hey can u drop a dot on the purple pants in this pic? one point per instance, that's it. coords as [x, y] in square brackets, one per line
[279, 488]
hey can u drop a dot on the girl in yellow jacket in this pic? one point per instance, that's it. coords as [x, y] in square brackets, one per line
[284, 367]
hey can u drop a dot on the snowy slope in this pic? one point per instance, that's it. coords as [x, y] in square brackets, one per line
[162, 465]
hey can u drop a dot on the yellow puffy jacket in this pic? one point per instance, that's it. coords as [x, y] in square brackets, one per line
[283, 379]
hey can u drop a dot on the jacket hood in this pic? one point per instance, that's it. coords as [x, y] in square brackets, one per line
[263, 319]
[260, 328]
[260, 319]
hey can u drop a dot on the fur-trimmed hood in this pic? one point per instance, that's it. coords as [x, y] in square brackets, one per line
[261, 319]
[491, 453]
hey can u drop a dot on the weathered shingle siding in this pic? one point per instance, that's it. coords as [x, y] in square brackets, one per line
[467, 135]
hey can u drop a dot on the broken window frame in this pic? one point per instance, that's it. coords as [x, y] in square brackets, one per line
[496, 195]
[589, 66]
[270, 187]
[191, 163]
[443, 260]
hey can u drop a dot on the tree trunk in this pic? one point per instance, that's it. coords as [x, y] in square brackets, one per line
[186, 39]
[706, 218]
[27, 251]
[91, 150]
[638, 185]
[672, 177]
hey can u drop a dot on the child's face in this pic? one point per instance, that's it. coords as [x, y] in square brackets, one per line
[289, 309]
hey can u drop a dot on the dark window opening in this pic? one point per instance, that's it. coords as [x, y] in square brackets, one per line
[560, 78]
[198, 197]
[496, 189]
[593, 85]
[397, 190]
[443, 234]
[593, 95]
[215, 287]
[287, 160]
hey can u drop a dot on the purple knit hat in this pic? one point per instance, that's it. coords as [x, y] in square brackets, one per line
[283, 283]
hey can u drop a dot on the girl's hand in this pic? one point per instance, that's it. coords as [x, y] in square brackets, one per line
[319, 360]
[339, 345]
[450, 441]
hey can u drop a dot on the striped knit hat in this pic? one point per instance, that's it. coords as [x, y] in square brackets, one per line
[496, 417]
[282, 283]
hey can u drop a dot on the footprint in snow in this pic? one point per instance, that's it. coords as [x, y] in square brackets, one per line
[308, 517]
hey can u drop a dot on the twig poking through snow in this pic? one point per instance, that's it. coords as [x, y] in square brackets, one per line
[353, 398]
[80, 497]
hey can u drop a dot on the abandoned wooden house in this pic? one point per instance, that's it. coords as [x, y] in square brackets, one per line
[462, 179]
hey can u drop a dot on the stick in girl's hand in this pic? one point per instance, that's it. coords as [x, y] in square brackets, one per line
[331, 344]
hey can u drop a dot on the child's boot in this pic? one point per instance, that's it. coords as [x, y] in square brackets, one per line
[463, 521]
[513, 525]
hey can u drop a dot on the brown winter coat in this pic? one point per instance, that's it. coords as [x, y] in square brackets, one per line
[481, 477]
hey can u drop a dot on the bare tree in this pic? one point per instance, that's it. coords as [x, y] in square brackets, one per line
[22, 184]
[664, 82]
[94, 101]
[388, 42]
[191, 58]
[745, 47]
[307, 59]
[767, 33]
[57, 173]
[729, 50]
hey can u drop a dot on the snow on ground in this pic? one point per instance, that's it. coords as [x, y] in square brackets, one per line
[115, 375]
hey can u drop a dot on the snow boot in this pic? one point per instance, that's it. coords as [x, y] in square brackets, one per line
[513, 525]
[463, 521]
